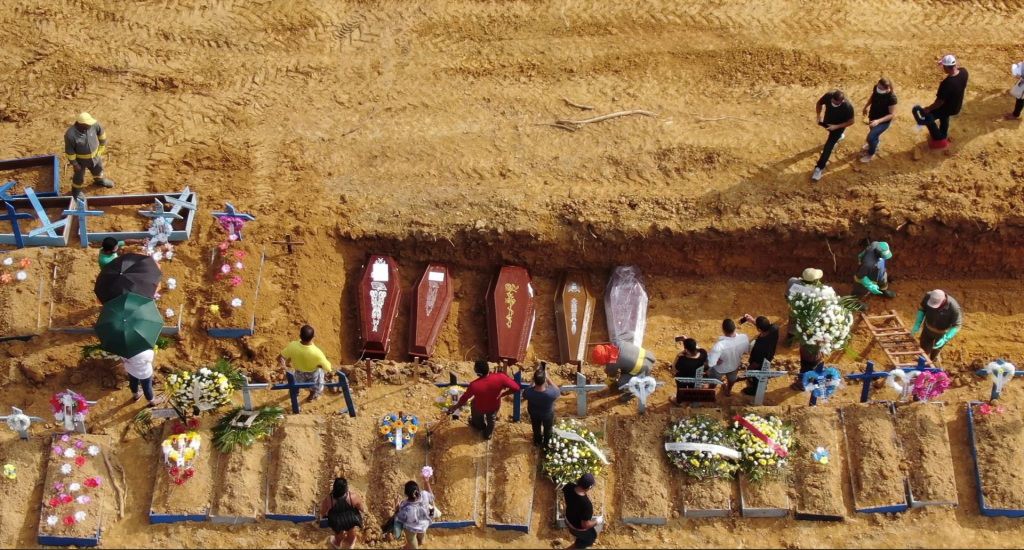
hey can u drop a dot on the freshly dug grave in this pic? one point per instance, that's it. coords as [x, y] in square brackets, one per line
[39, 178]
[173, 299]
[18, 522]
[390, 469]
[642, 470]
[713, 496]
[220, 292]
[296, 451]
[769, 493]
[74, 299]
[818, 488]
[999, 438]
[121, 218]
[875, 456]
[922, 431]
[22, 302]
[511, 474]
[195, 496]
[457, 455]
[97, 507]
[241, 478]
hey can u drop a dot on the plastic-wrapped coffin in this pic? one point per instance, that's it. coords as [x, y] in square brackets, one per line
[625, 305]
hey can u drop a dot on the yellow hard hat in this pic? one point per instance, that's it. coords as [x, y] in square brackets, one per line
[85, 118]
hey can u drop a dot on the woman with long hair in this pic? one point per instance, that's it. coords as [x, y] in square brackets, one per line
[416, 513]
[880, 110]
[344, 510]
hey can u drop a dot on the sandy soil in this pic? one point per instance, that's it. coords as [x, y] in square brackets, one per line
[996, 436]
[929, 462]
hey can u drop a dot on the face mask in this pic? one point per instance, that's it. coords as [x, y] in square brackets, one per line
[834, 104]
[882, 91]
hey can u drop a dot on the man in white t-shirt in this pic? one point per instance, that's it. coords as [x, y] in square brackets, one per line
[726, 355]
[140, 374]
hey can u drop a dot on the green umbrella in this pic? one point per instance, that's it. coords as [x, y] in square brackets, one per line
[129, 324]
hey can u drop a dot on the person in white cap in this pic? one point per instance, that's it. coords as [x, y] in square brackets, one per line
[1017, 70]
[84, 144]
[807, 281]
[948, 101]
[941, 317]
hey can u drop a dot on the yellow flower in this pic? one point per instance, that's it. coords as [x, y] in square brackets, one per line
[384, 430]
[214, 308]
[413, 428]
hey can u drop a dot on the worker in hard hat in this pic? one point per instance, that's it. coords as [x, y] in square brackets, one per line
[941, 317]
[871, 277]
[84, 144]
[622, 360]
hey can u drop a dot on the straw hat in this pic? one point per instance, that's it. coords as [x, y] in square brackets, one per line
[812, 275]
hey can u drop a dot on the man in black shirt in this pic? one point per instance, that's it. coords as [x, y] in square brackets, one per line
[579, 511]
[948, 101]
[763, 348]
[838, 117]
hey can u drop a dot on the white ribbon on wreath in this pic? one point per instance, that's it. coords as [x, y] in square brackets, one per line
[1000, 372]
[573, 436]
[901, 381]
[686, 446]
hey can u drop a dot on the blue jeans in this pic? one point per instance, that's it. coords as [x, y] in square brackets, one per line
[830, 143]
[875, 134]
[938, 131]
[146, 383]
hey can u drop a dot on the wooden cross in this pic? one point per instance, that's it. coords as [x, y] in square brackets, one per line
[81, 213]
[997, 386]
[868, 376]
[293, 388]
[288, 242]
[20, 422]
[4, 195]
[763, 375]
[159, 212]
[582, 389]
[247, 392]
[180, 203]
[13, 216]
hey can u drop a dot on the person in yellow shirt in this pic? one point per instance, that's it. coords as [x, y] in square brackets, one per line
[308, 363]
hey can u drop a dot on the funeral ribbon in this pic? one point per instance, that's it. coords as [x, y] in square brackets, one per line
[900, 380]
[703, 448]
[1000, 372]
[779, 450]
[573, 436]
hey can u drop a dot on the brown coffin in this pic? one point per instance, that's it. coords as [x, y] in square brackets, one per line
[625, 305]
[431, 300]
[511, 312]
[574, 313]
[380, 292]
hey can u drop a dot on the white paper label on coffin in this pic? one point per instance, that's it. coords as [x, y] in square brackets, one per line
[379, 271]
[435, 276]
[703, 448]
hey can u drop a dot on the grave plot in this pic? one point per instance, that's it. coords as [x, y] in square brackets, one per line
[818, 475]
[769, 496]
[875, 458]
[23, 292]
[922, 431]
[598, 495]
[77, 493]
[28, 457]
[229, 309]
[296, 450]
[996, 435]
[710, 496]
[349, 451]
[511, 477]
[457, 455]
[641, 469]
[191, 500]
[241, 483]
[41, 173]
[392, 468]
[122, 217]
[33, 213]
[173, 294]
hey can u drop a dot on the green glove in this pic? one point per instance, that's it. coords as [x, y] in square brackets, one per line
[917, 322]
[871, 286]
[947, 337]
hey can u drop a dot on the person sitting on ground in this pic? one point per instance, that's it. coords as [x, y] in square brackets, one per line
[416, 513]
[948, 102]
[540, 405]
[941, 317]
[726, 355]
[344, 510]
[140, 374]
[486, 392]
[872, 276]
[809, 280]
[579, 512]
[761, 349]
[689, 359]
[307, 360]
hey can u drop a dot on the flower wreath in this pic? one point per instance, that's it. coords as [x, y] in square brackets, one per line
[1000, 372]
[901, 380]
[929, 385]
[823, 385]
[399, 429]
[81, 406]
[180, 451]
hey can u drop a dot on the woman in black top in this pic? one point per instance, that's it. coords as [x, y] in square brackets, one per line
[344, 510]
[880, 110]
[688, 361]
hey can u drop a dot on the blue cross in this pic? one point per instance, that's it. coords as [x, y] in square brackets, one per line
[293, 388]
[48, 226]
[229, 211]
[13, 216]
[180, 203]
[4, 195]
[868, 376]
[81, 213]
[158, 212]
[995, 391]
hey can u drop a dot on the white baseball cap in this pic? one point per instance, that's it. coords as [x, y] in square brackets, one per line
[935, 298]
[948, 60]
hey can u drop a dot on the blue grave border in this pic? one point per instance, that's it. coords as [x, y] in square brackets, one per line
[81, 542]
[893, 508]
[982, 507]
[178, 233]
[48, 159]
[59, 236]
[241, 332]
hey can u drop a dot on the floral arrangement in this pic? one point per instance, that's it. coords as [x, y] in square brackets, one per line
[929, 385]
[449, 398]
[763, 443]
[568, 459]
[198, 391]
[10, 472]
[822, 385]
[702, 464]
[66, 495]
[986, 409]
[230, 262]
[227, 435]
[180, 451]
[1000, 372]
[79, 404]
[399, 429]
[821, 456]
[822, 320]
[14, 271]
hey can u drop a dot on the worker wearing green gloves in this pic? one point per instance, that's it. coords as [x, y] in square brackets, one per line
[871, 277]
[942, 317]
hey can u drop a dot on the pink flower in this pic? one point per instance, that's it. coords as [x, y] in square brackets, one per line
[985, 408]
[225, 268]
[236, 280]
[224, 246]
[232, 237]
[79, 444]
[65, 438]
[239, 254]
[58, 450]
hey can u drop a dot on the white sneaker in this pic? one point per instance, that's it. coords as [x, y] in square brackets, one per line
[841, 138]
[867, 158]
[864, 147]
[816, 175]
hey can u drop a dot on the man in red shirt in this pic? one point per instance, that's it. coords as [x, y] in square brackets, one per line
[486, 392]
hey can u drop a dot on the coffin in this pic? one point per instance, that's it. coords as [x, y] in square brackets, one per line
[625, 305]
[574, 314]
[431, 300]
[379, 295]
[511, 312]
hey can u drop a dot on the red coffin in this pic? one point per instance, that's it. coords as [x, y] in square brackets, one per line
[574, 313]
[511, 312]
[625, 305]
[431, 300]
[380, 292]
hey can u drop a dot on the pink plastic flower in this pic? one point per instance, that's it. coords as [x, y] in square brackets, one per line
[233, 237]
[236, 280]
[239, 254]
[79, 444]
[225, 268]
[224, 246]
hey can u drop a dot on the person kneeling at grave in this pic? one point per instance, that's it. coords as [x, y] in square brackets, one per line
[307, 360]
[579, 512]
[486, 391]
[622, 360]
[761, 349]
[688, 361]
[344, 510]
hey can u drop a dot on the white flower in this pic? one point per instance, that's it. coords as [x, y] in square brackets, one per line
[75, 487]
[168, 255]
[238, 265]
[65, 468]
[82, 499]
[157, 256]
[8, 261]
[52, 520]
[93, 450]
[69, 453]
[79, 516]
[21, 275]
[169, 313]
[237, 302]
[172, 283]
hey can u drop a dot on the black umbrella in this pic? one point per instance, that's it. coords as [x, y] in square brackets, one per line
[135, 273]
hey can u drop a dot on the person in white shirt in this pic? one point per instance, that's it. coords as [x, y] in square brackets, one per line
[140, 374]
[726, 355]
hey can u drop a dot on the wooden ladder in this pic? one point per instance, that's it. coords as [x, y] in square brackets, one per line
[895, 340]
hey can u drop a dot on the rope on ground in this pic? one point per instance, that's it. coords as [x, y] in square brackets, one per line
[573, 125]
[702, 118]
[577, 105]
